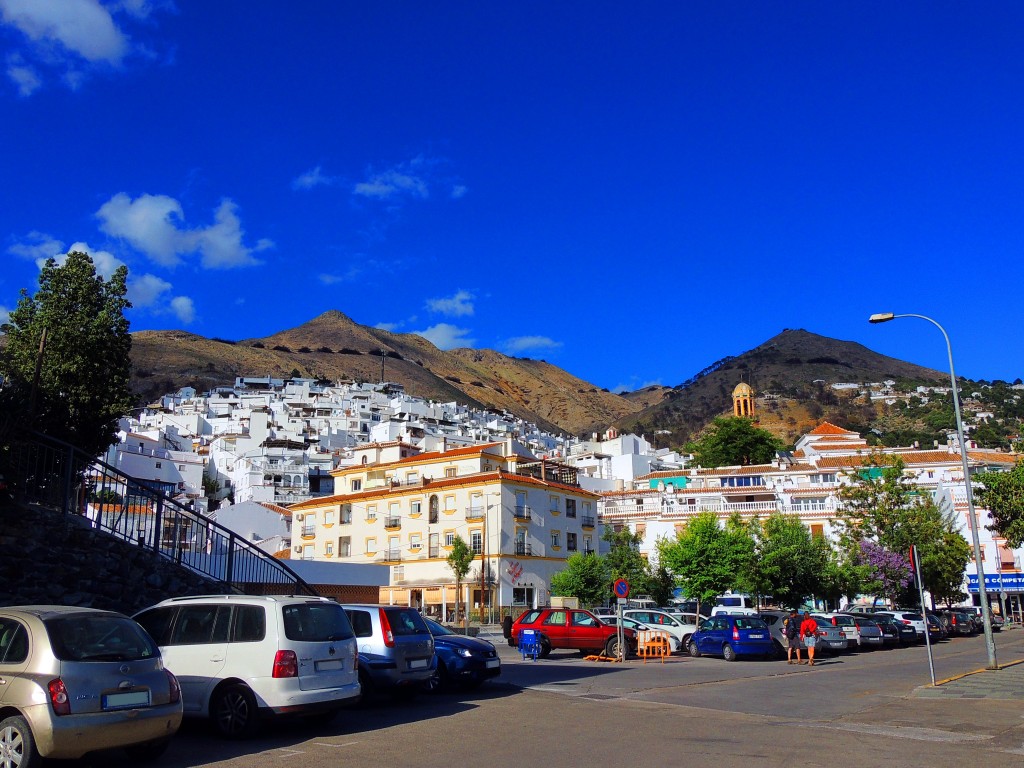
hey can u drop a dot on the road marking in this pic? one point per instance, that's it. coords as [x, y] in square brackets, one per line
[900, 732]
[329, 744]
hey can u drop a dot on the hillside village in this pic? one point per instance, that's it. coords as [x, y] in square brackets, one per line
[357, 475]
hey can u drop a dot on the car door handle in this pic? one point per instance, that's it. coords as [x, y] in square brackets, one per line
[217, 658]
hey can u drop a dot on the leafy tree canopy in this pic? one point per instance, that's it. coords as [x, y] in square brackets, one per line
[731, 441]
[85, 365]
[1002, 493]
[585, 576]
[788, 562]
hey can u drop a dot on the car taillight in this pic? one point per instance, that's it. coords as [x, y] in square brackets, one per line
[842, 634]
[172, 681]
[834, 622]
[59, 699]
[385, 629]
[822, 633]
[286, 664]
[735, 633]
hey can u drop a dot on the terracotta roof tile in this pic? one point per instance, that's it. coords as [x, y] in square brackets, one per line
[827, 428]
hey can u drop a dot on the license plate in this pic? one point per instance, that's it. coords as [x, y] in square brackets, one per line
[491, 663]
[417, 664]
[756, 636]
[125, 700]
[328, 666]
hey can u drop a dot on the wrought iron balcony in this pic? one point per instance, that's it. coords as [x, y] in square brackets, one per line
[523, 549]
[392, 523]
[521, 512]
[588, 521]
[474, 513]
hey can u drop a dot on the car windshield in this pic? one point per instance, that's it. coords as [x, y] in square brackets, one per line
[435, 628]
[104, 637]
[316, 622]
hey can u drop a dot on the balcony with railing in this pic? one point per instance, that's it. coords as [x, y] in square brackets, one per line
[588, 521]
[392, 523]
[391, 556]
[434, 551]
[520, 512]
[588, 550]
[474, 514]
[308, 530]
[523, 549]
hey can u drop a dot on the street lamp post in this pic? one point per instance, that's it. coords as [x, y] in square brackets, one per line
[990, 644]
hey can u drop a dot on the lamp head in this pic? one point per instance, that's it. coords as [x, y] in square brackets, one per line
[881, 317]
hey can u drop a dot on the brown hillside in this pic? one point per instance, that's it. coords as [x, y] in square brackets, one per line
[332, 346]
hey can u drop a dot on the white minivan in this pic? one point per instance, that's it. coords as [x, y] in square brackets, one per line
[239, 657]
[734, 604]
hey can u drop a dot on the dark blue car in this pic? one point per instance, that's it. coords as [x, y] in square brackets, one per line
[732, 636]
[461, 660]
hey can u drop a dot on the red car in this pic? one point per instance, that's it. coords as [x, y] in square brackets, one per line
[572, 628]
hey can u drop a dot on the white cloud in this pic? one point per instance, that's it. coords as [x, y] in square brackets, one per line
[446, 336]
[403, 180]
[388, 326]
[40, 247]
[459, 305]
[313, 178]
[5, 314]
[23, 75]
[149, 223]
[183, 308]
[146, 291]
[618, 389]
[81, 27]
[458, 191]
[520, 344]
[106, 262]
[154, 224]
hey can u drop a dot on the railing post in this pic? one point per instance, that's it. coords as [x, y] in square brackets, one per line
[229, 564]
[158, 523]
[69, 475]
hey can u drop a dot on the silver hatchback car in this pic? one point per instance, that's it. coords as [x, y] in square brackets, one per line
[396, 649]
[79, 680]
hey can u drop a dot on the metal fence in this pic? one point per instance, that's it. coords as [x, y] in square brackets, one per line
[49, 473]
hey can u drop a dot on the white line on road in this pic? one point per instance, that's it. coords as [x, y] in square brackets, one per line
[899, 732]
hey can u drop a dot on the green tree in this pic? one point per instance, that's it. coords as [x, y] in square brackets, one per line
[706, 557]
[624, 560]
[85, 366]
[790, 562]
[942, 568]
[585, 576]
[1002, 493]
[460, 559]
[731, 441]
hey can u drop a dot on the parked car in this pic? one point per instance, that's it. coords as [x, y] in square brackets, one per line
[396, 648]
[891, 631]
[79, 680]
[936, 628]
[461, 660]
[846, 623]
[241, 658]
[831, 639]
[604, 610]
[572, 628]
[908, 619]
[636, 626]
[957, 622]
[732, 636]
[680, 626]
[894, 631]
[869, 633]
[776, 621]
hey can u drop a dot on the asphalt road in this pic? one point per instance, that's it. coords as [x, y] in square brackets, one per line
[855, 709]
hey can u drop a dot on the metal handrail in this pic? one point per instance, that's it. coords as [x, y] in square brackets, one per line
[53, 474]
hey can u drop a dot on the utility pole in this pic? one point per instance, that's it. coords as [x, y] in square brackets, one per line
[382, 365]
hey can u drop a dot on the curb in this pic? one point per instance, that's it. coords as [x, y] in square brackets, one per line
[974, 672]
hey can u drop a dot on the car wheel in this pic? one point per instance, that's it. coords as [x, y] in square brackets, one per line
[147, 752]
[234, 712]
[692, 648]
[612, 648]
[545, 648]
[365, 685]
[17, 746]
[728, 652]
[439, 680]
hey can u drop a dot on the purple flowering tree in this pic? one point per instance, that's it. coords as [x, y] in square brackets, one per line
[886, 573]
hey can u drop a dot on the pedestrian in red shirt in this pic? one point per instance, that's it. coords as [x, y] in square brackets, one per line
[809, 633]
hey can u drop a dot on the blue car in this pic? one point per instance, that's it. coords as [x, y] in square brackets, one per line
[732, 636]
[461, 660]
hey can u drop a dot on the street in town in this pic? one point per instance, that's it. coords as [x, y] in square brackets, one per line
[570, 710]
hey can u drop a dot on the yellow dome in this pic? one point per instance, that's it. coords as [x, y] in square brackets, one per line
[743, 390]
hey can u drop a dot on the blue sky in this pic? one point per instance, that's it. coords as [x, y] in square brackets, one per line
[630, 191]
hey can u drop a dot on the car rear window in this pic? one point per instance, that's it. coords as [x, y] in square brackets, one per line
[405, 621]
[99, 638]
[744, 622]
[318, 622]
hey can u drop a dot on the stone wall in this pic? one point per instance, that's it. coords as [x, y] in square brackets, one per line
[49, 558]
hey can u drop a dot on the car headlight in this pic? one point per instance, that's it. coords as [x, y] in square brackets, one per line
[465, 652]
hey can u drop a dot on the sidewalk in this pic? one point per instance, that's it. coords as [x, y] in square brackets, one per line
[1007, 682]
